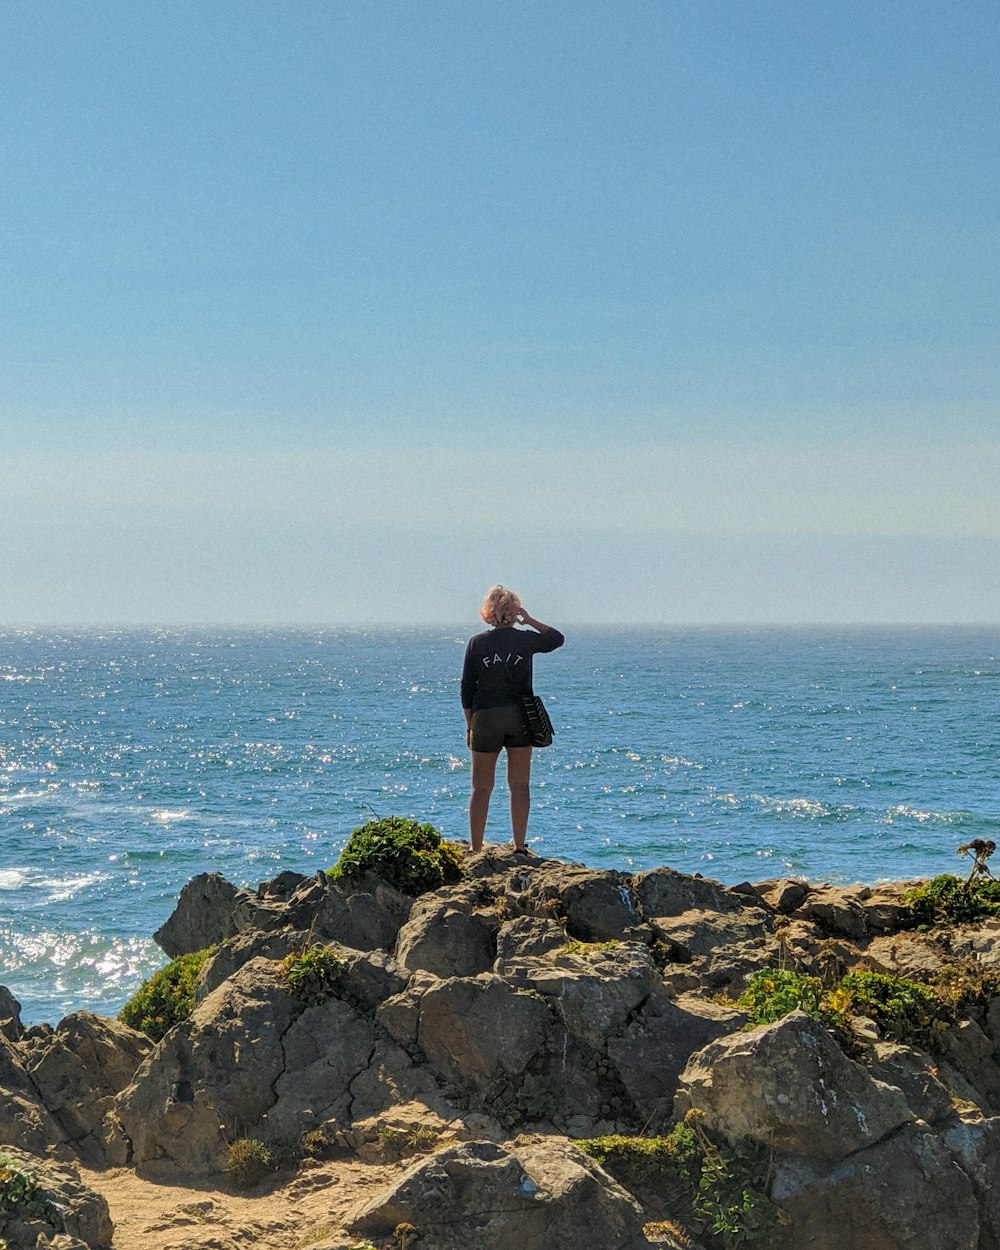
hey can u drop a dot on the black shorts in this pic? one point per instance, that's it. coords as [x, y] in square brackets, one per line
[496, 727]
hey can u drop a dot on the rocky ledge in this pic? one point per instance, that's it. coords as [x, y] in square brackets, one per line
[530, 1038]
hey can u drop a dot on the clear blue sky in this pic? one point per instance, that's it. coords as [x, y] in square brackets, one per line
[333, 311]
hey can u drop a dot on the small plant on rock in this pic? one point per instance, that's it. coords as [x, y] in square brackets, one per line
[716, 1188]
[21, 1197]
[772, 993]
[312, 974]
[249, 1162]
[903, 1009]
[405, 1235]
[947, 900]
[407, 855]
[586, 950]
[166, 998]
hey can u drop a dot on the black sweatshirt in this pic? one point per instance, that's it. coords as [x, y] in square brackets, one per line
[497, 665]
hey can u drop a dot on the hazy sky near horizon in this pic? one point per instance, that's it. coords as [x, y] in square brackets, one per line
[335, 311]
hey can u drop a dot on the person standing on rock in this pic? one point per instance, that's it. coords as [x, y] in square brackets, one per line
[496, 673]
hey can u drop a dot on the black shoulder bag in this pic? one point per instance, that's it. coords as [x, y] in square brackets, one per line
[537, 719]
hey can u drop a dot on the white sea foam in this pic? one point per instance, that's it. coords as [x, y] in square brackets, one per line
[168, 816]
[14, 878]
[806, 809]
[63, 888]
[905, 811]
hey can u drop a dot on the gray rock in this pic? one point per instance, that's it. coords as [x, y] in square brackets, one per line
[450, 933]
[471, 1027]
[903, 1193]
[75, 1211]
[705, 933]
[211, 1079]
[24, 1120]
[593, 906]
[973, 1141]
[78, 1070]
[837, 911]
[337, 1067]
[593, 994]
[536, 1194]
[209, 910]
[791, 1086]
[654, 1049]
[666, 892]
[524, 937]
[914, 1074]
[782, 894]
[10, 1015]
[365, 914]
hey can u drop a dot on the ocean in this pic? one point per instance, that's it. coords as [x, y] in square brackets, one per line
[132, 759]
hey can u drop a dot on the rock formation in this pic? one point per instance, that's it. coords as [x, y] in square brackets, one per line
[530, 1006]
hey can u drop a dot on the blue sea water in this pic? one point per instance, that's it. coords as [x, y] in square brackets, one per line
[131, 760]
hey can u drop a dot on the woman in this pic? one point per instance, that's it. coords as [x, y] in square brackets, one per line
[496, 673]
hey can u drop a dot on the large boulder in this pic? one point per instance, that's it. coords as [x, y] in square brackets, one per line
[536, 1194]
[902, 1193]
[526, 936]
[209, 910]
[339, 1067]
[78, 1069]
[472, 1027]
[253, 1061]
[24, 1120]
[366, 914]
[790, 1086]
[666, 892]
[593, 906]
[595, 992]
[10, 1016]
[655, 1047]
[837, 911]
[449, 932]
[212, 1077]
[973, 1140]
[64, 1207]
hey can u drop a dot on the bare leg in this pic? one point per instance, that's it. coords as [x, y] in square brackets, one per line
[484, 764]
[519, 781]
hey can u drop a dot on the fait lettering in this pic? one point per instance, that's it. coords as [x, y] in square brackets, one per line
[499, 659]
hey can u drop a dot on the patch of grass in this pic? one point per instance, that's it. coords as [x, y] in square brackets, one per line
[407, 855]
[395, 1143]
[249, 1162]
[715, 1188]
[948, 900]
[312, 974]
[166, 998]
[587, 950]
[318, 1232]
[963, 984]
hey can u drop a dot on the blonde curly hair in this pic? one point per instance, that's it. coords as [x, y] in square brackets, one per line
[500, 607]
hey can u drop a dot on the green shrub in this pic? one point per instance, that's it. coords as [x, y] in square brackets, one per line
[717, 1188]
[249, 1162]
[772, 993]
[947, 899]
[405, 854]
[21, 1197]
[902, 1009]
[312, 974]
[166, 998]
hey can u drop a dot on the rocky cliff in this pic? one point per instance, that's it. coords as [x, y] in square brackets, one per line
[555, 1053]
